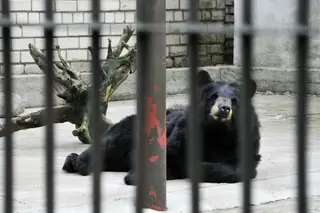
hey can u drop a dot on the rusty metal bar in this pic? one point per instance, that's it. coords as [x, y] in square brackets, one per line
[201, 28]
[7, 84]
[143, 40]
[194, 139]
[246, 150]
[95, 104]
[49, 134]
[302, 42]
[151, 106]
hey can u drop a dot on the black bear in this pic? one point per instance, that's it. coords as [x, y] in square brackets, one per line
[219, 114]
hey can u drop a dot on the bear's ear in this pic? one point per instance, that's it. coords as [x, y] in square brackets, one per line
[253, 88]
[203, 78]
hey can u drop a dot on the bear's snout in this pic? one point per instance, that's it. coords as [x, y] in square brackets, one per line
[222, 110]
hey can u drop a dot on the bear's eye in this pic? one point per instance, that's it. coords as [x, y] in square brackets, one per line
[213, 96]
[235, 102]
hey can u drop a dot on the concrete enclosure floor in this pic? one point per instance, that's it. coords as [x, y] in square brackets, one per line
[274, 190]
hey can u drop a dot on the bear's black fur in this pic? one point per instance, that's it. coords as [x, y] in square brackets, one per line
[218, 111]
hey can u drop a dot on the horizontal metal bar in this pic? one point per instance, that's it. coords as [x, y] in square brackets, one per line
[186, 28]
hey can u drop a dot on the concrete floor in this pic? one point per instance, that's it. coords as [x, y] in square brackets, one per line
[274, 190]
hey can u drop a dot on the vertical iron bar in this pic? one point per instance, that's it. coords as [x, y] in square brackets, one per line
[143, 40]
[245, 112]
[7, 84]
[96, 160]
[151, 108]
[302, 77]
[49, 146]
[195, 138]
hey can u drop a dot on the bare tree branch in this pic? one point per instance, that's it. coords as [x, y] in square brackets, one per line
[70, 87]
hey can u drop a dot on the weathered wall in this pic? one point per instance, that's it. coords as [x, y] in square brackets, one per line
[229, 21]
[278, 50]
[116, 13]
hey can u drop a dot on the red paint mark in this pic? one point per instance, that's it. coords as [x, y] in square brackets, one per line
[151, 140]
[164, 57]
[157, 208]
[157, 203]
[162, 139]
[153, 159]
[154, 122]
[155, 88]
[152, 194]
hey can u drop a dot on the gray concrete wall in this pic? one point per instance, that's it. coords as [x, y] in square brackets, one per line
[277, 50]
[278, 80]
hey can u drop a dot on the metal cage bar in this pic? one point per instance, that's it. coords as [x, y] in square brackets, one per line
[150, 141]
[191, 27]
[302, 42]
[96, 111]
[151, 77]
[194, 139]
[143, 40]
[7, 85]
[246, 150]
[49, 134]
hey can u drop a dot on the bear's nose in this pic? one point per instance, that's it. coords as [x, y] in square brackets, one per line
[224, 108]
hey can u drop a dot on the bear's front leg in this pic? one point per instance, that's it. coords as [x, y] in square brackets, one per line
[80, 164]
[219, 173]
[69, 165]
[130, 179]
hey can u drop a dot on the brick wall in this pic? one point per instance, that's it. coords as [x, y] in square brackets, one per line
[116, 13]
[229, 21]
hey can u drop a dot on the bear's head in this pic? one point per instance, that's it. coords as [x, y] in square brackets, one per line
[220, 100]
